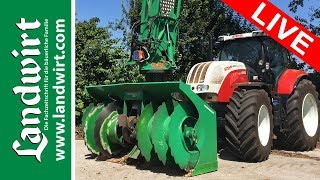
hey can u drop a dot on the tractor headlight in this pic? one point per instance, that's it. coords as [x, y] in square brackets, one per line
[202, 87]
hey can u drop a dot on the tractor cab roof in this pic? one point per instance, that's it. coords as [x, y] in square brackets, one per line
[241, 36]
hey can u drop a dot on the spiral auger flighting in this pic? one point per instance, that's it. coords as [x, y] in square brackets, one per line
[201, 133]
[144, 131]
[107, 134]
[84, 120]
[180, 131]
[173, 132]
[160, 129]
[167, 122]
[182, 138]
[101, 130]
[89, 125]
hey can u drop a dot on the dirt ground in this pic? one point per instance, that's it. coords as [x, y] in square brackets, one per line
[280, 165]
[79, 132]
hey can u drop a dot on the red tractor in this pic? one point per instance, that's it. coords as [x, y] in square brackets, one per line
[257, 98]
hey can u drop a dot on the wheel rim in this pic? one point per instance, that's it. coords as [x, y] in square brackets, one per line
[310, 115]
[264, 125]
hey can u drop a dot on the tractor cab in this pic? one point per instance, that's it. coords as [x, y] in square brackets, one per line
[264, 58]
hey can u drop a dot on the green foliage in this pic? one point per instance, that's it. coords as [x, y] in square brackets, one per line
[313, 20]
[295, 64]
[310, 20]
[199, 18]
[99, 60]
[313, 24]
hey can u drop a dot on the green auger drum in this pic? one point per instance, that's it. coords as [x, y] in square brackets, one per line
[158, 119]
[165, 120]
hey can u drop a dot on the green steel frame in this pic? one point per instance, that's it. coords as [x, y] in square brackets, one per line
[159, 29]
[174, 122]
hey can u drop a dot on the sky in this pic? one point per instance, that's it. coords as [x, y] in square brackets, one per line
[106, 10]
[110, 10]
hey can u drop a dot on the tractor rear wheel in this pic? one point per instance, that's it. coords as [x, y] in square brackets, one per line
[302, 122]
[249, 125]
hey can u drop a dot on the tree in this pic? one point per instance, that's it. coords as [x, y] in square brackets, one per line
[312, 22]
[99, 60]
[199, 19]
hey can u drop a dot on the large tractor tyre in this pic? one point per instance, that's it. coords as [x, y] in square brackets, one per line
[302, 122]
[249, 125]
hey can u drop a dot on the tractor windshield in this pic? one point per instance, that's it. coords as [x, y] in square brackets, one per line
[247, 51]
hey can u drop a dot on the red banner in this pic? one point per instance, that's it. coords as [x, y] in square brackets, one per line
[281, 28]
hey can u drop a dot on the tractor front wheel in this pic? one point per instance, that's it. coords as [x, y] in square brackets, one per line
[249, 125]
[301, 127]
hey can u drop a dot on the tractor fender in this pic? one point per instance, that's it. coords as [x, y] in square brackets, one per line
[288, 81]
[229, 84]
[251, 85]
[255, 85]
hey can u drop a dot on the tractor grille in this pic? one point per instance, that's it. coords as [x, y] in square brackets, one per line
[199, 73]
[167, 6]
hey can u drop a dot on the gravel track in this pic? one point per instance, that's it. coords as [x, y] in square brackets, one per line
[280, 165]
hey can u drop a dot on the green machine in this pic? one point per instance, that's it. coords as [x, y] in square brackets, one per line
[158, 119]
